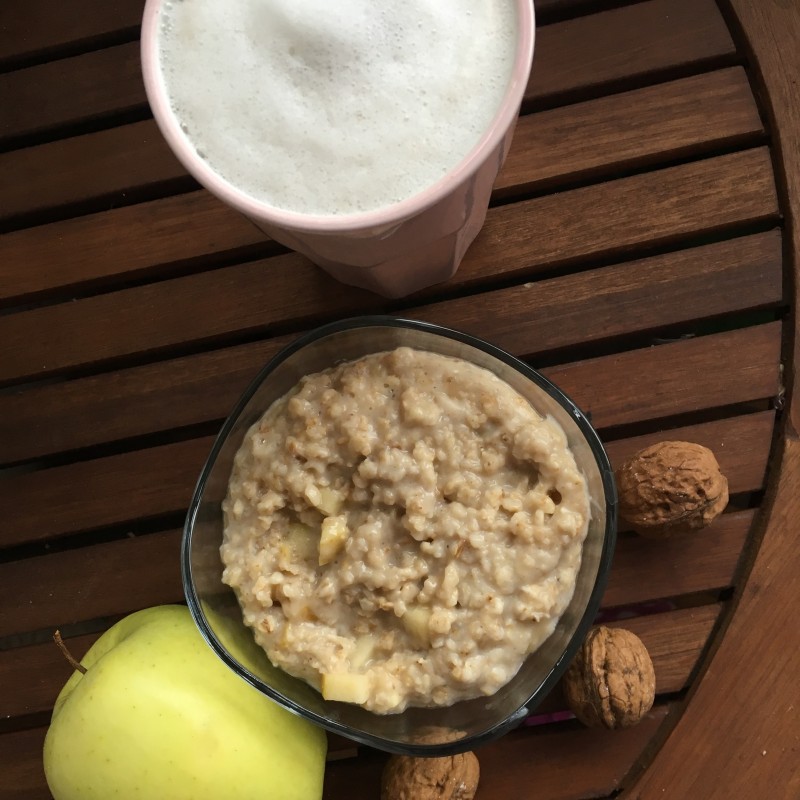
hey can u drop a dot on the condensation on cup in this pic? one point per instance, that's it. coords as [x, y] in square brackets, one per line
[392, 249]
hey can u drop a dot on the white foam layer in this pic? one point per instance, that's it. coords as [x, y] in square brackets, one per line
[335, 106]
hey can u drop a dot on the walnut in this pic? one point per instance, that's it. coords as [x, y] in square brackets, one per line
[611, 681]
[448, 778]
[670, 488]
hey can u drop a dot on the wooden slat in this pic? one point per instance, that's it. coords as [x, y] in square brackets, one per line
[545, 9]
[741, 444]
[619, 389]
[671, 120]
[740, 734]
[647, 569]
[73, 586]
[564, 763]
[555, 230]
[597, 304]
[107, 491]
[571, 225]
[95, 582]
[735, 709]
[161, 236]
[86, 88]
[634, 128]
[570, 57]
[675, 378]
[625, 44]
[105, 167]
[633, 386]
[605, 759]
[41, 27]
[674, 640]
[22, 758]
[613, 218]
[103, 580]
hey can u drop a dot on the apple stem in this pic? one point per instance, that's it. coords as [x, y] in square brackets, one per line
[66, 653]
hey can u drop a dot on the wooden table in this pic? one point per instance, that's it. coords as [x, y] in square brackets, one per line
[641, 249]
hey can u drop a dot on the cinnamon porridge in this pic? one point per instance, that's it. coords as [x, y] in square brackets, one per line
[403, 530]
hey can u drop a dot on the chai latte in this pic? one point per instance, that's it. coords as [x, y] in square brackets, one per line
[332, 107]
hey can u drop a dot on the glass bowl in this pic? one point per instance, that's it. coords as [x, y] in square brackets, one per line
[416, 731]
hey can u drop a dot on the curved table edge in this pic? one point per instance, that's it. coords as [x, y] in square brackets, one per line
[739, 734]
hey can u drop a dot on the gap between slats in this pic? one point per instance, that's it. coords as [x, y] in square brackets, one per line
[674, 639]
[555, 231]
[506, 764]
[147, 483]
[44, 30]
[37, 30]
[77, 586]
[195, 231]
[133, 163]
[590, 307]
[631, 386]
[608, 51]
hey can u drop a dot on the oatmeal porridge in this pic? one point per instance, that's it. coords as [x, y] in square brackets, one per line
[403, 530]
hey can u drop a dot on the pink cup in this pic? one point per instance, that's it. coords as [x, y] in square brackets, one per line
[393, 250]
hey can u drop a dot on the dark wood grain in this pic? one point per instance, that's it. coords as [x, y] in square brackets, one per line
[109, 168]
[741, 445]
[186, 322]
[42, 27]
[105, 491]
[526, 757]
[674, 640]
[637, 128]
[95, 582]
[590, 306]
[74, 586]
[582, 56]
[550, 752]
[626, 44]
[536, 235]
[22, 757]
[599, 304]
[610, 219]
[630, 129]
[647, 570]
[83, 89]
[675, 378]
[749, 689]
[618, 389]
[546, 9]
[159, 237]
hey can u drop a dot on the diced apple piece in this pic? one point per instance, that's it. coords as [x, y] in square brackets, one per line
[416, 621]
[362, 652]
[334, 535]
[326, 500]
[303, 540]
[330, 502]
[346, 687]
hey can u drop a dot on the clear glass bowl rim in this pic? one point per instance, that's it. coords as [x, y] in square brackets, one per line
[592, 606]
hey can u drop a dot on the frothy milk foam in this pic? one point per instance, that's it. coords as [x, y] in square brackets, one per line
[335, 106]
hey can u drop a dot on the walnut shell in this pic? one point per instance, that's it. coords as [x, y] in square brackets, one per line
[611, 681]
[671, 488]
[448, 778]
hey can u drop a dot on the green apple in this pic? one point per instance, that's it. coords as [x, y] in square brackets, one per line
[157, 716]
